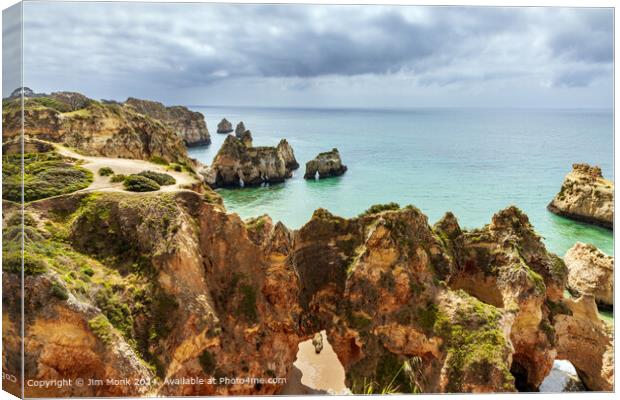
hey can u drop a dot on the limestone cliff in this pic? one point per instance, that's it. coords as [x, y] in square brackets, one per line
[587, 342]
[169, 285]
[237, 164]
[189, 125]
[585, 196]
[325, 165]
[92, 127]
[591, 272]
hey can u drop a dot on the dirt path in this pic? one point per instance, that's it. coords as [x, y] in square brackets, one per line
[124, 166]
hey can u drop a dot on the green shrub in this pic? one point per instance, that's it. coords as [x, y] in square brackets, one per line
[59, 291]
[158, 160]
[118, 178]
[106, 171]
[138, 183]
[160, 178]
[377, 208]
[176, 167]
[45, 175]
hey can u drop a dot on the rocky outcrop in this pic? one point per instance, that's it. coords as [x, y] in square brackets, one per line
[240, 129]
[246, 138]
[585, 196]
[591, 272]
[224, 126]
[325, 165]
[190, 126]
[95, 129]
[236, 164]
[163, 302]
[196, 292]
[586, 341]
[285, 150]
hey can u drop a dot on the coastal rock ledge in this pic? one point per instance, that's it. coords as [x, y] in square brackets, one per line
[239, 164]
[585, 196]
[326, 165]
[224, 126]
[591, 272]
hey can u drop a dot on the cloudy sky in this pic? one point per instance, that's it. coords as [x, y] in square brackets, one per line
[341, 56]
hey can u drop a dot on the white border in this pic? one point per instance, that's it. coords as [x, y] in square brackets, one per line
[557, 3]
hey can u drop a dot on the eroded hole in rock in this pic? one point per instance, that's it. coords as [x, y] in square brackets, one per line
[483, 288]
[521, 377]
[562, 378]
[316, 373]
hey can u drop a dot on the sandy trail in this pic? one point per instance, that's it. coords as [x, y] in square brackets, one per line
[124, 166]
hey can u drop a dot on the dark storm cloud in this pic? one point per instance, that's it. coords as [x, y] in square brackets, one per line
[176, 46]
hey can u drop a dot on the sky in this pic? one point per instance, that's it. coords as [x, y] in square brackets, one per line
[321, 55]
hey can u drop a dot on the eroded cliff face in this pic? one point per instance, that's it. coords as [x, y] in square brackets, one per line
[144, 286]
[170, 286]
[189, 125]
[239, 164]
[585, 196]
[591, 272]
[92, 127]
[587, 342]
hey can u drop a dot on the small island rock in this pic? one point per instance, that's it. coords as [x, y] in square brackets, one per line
[237, 165]
[224, 126]
[240, 129]
[591, 272]
[585, 196]
[326, 164]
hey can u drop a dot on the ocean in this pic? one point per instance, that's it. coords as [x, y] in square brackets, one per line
[473, 162]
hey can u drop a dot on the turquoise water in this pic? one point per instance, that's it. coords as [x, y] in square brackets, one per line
[472, 162]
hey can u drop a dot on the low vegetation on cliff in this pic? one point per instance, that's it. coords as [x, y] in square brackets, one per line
[45, 175]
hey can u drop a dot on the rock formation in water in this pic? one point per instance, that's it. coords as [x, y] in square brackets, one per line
[591, 272]
[240, 129]
[171, 285]
[239, 165]
[224, 126]
[93, 128]
[188, 125]
[325, 165]
[585, 196]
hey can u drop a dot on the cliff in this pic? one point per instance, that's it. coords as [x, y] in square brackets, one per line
[92, 127]
[325, 165]
[585, 196]
[591, 272]
[188, 125]
[237, 164]
[169, 285]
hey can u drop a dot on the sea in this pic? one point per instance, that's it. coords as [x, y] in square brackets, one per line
[473, 162]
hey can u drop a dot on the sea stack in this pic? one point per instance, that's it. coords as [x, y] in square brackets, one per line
[240, 129]
[585, 196]
[224, 126]
[591, 272]
[238, 165]
[326, 165]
